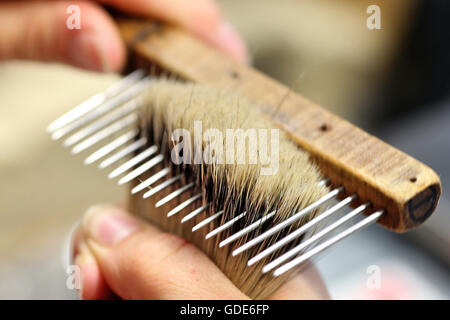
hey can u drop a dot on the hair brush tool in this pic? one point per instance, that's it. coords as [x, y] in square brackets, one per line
[331, 180]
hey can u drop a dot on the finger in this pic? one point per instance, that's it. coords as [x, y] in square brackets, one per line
[139, 261]
[308, 284]
[77, 236]
[201, 17]
[93, 284]
[39, 31]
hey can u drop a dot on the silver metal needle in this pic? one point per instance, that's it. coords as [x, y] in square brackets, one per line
[146, 183]
[204, 222]
[100, 123]
[133, 161]
[161, 186]
[307, 255]
[225, 226]
[301, 230]
[322, 233]
[141, 169]
[104, 133]
[288, 221]
[257, 223]
[110, 147]
[102, 109]
[191, 215]
[183, 205]
[122, 153]
[95, 100]
[247, 229]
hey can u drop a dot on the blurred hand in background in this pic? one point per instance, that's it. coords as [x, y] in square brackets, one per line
[38, 30]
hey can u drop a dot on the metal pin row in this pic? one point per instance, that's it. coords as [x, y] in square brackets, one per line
[113, 112]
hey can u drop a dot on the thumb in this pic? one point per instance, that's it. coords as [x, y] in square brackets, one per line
[139, 261]
[39, 31]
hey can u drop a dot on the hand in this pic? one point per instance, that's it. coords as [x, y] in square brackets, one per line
[122, 256]
[37, 30]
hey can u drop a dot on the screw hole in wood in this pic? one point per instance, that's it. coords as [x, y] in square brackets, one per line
[324, 127]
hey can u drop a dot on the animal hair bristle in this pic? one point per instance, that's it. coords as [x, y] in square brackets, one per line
[234, 188]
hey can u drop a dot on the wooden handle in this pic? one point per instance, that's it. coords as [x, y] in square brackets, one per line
[408, 190]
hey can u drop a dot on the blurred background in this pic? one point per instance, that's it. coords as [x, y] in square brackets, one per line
[393, 82]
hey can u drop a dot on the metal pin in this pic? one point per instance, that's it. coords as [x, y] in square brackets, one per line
[100, 123]
[183, 205]
[144, 184]
[225, 226]
[314, 238]
[257, 223]
[104, 133]
[141, 169]
[110, 147]
[288, 221]
[195, 212]
[95, 101]
[173, 195]
[102, 109]
[204, 222]
[133, 161]
[301, 230]
[161, 186]
[122, 153]
[247, 229]
[358, 226]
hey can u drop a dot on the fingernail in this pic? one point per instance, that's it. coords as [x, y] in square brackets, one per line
[108, 225]
[85, 52]
[228, 39]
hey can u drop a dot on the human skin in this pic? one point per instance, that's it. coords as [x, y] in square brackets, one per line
[121, 256]
[37, 30]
